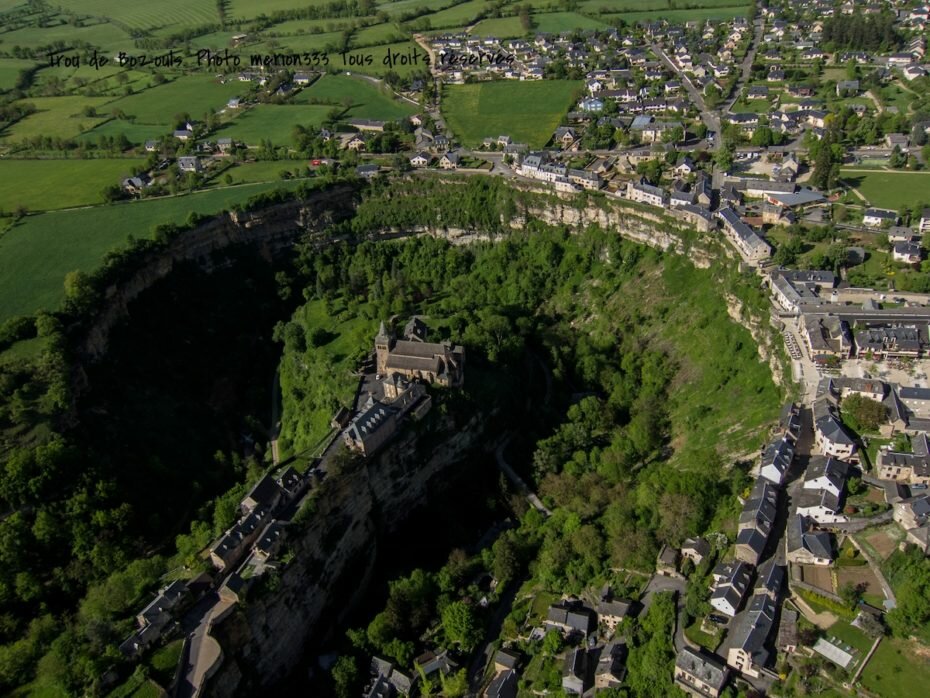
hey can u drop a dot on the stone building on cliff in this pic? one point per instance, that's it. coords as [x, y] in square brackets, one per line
[414, 357]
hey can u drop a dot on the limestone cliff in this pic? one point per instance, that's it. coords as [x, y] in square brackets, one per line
[270, 230]
[334, 555]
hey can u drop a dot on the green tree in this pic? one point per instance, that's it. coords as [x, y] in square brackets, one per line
[460, 625]
[346, 677]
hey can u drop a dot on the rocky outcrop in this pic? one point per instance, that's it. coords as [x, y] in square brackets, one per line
[270, 231]
[764, 337]
[334, 554]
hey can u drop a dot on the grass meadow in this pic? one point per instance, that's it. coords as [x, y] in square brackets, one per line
[194, 94]
[526, 111]
[273, 122]
[60, 183]
[368, 101]
[55, 116]
[890, 189]
[37, 253]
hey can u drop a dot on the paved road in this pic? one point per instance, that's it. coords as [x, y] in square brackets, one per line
[746, 66]
[204, 652]
[710, 118]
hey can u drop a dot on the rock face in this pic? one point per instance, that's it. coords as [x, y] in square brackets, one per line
[334, 554]
[270, 230]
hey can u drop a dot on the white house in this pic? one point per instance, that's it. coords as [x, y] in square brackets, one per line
[906, 252]
[731, 582]
[877, 217]
[826, 474]
[776, 459]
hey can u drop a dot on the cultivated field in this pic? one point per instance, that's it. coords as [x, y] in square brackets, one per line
[147, 15]
[882, 542]
[819, 577]
[526, 111]
[59, 183]
[862, 574]
[36, 254]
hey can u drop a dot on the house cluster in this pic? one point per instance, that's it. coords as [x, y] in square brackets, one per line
[403, 367]
[387, 681]
[757, 517]
[754, 611]
[159, 617]
[587, 666]
[249, 547]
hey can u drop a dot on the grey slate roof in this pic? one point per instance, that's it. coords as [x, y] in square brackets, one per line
[706, 667]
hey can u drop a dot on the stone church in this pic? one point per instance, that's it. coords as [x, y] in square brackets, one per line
[414, 357]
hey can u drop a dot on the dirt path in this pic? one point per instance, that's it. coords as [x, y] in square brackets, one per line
[878, 105]
[821, 620]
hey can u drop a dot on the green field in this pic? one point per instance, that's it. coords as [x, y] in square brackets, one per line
[194, 94]
[400, 6]
[548, 23]
[275, 122]
[247, 9]
[378, 34]
[263, 171]
[307, 26]
[10, 69]
[369, 101]
[458, 15]
[657, 6]
[890, 189]
[50, 184]
[526, 111]
[296, 43]
[136, 133]
[56, 116]
[558, 22]
[895, 670]
[697, 14]
[103, 35]
[148, 15]
[36, 254]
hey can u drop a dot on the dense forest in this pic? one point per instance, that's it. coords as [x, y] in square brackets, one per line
[861, 32]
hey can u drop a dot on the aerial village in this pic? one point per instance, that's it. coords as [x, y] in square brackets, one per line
[678, 118]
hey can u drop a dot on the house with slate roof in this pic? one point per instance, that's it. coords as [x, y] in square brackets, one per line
[806, 545]
[571, 617]
[699, 673]
[749, 635]
[831, 436]
[912, 468]
[731, 582]
[776, 460]
[756, 521]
